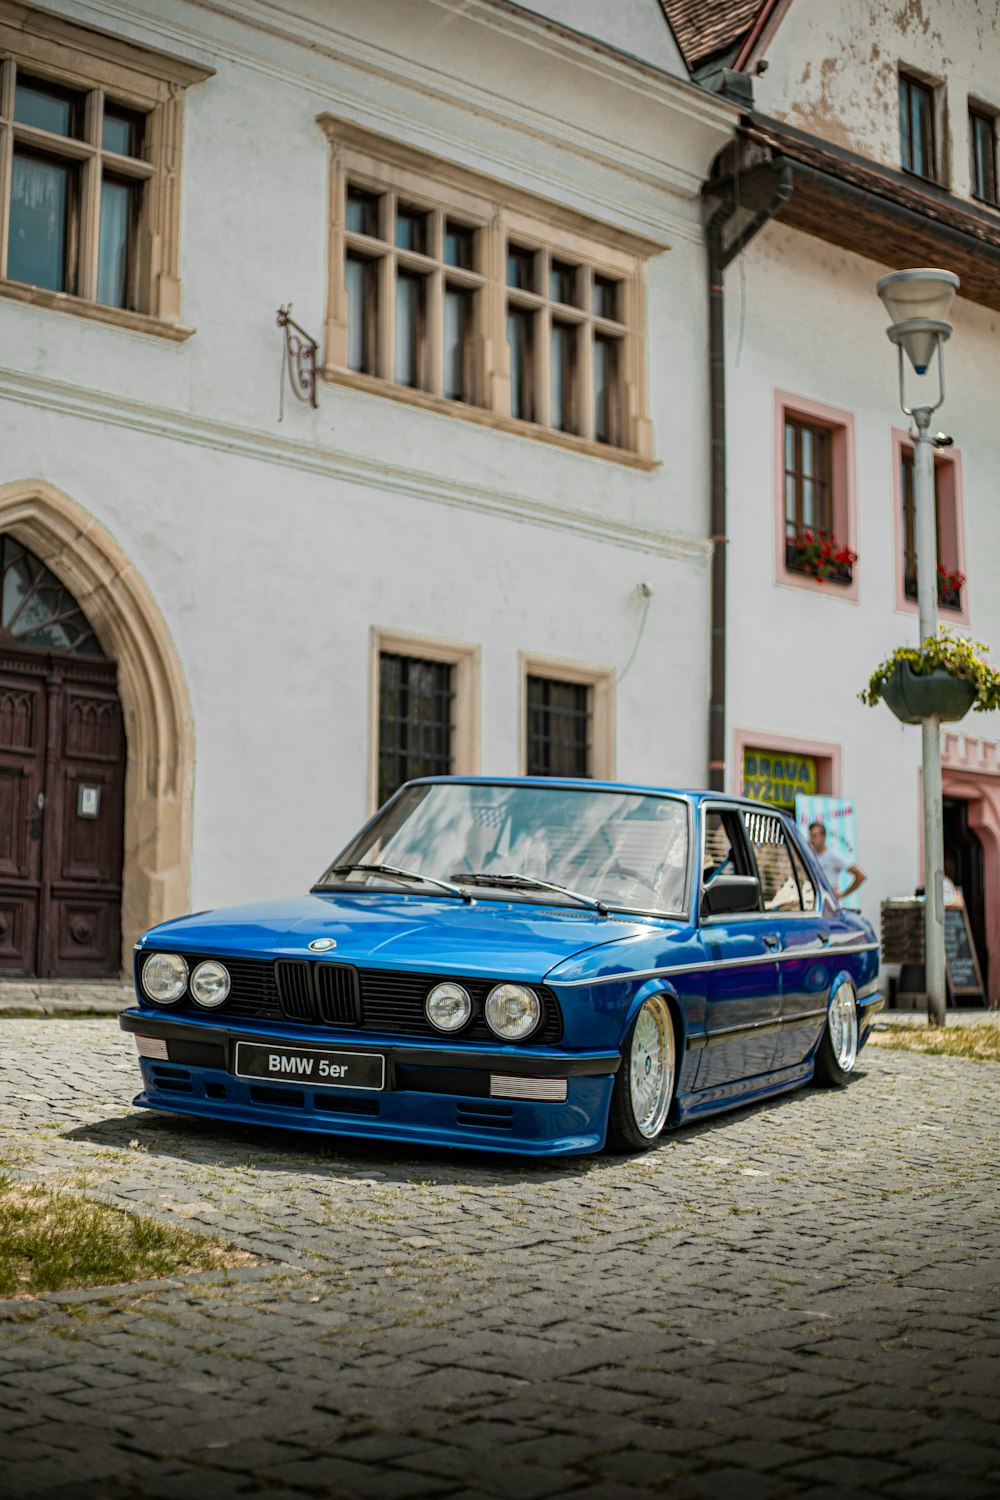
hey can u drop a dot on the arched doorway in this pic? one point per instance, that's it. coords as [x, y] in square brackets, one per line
[62, 780]
[158, 729]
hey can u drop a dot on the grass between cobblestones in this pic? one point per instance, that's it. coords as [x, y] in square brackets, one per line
[52, 1242]
[980, 1042]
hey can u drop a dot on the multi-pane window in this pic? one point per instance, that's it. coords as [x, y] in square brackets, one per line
[77, 176]
[808, 478]
[564, 338]
[411, 283]
[438, 294]
[916, 127]
[814, 494]
[415, 720]
[89, 157]
[983, 151]
[950, 580]
[559, 728]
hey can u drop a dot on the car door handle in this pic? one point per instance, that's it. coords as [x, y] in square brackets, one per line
[772, 940]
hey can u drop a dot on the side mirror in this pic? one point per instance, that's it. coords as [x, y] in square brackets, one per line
[729, 894]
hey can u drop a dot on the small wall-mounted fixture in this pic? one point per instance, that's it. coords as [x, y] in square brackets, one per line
[298, 360]
[88, 801]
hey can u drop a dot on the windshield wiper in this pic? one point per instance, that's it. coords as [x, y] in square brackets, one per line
[532, 883]
[395, 873]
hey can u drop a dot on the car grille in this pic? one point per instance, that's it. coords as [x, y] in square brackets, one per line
[310, 992]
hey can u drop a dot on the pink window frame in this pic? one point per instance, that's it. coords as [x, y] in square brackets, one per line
[827, 754]
[840, 425]
[951, 492]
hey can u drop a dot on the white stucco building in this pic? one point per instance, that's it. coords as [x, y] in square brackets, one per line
[485, 547]
[871, 138]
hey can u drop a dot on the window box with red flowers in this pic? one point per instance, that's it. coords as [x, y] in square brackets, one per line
[950, 583]
[819, 555]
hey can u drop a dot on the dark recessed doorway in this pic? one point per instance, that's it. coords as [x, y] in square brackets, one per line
[62, 781]
[963, 864]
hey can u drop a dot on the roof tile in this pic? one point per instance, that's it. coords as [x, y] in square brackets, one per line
[704, 27]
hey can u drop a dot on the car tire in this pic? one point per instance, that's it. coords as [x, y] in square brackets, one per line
[838, 1049]
[644, 1084]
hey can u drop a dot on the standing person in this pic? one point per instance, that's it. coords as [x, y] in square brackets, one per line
[833, 864]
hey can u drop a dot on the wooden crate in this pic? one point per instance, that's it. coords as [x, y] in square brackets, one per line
[903, 931]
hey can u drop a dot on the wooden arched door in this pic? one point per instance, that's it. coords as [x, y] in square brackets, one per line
[62, 776]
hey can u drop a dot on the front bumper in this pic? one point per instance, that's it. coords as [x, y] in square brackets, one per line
[868, 1008]
[434, 1095]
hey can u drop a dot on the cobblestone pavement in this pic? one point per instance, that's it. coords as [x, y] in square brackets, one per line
[795, 1299]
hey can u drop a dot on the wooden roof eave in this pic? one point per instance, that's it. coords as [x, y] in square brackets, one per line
[863, 217]
[844, 214]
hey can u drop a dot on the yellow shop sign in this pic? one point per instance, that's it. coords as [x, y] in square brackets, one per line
[771, 776]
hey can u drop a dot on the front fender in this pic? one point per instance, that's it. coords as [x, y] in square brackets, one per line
[686, 1058]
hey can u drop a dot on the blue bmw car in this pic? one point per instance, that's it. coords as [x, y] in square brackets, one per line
[528, 965]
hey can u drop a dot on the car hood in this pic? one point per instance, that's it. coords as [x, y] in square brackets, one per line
[515, 940]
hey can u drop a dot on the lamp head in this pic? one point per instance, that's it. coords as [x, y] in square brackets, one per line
[918, 303]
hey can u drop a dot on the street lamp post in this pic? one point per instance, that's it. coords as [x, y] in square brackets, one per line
[918, 302]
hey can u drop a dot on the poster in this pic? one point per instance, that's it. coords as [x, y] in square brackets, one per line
[774, 777]
[837, 815]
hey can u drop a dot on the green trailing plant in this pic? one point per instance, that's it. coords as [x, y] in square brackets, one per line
[947, 651]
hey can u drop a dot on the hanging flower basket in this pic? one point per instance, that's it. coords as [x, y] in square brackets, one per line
[937, 694]
[943, 678]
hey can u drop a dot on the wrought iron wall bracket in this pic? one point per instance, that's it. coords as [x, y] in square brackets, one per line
[298, 360]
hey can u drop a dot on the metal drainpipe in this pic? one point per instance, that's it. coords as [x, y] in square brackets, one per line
[717, 431]
[719, 257]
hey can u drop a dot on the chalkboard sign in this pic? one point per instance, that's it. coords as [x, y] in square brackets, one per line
[960, 952]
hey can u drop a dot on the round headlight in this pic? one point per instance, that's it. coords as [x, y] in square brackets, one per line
[164, 977]
[210, 983]
[448, 1007]
[513, 1011]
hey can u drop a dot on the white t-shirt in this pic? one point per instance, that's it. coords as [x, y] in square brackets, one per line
[833, 866]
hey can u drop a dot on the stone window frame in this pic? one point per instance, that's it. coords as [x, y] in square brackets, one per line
[983, 114]
[949, 490]
[600, 679]
[908, 80]
[843, 488]
[498, 213]
[464, 657]
[134, 77]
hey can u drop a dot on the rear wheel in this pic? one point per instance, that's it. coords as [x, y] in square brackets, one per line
[644, 1084]
[838, 1050]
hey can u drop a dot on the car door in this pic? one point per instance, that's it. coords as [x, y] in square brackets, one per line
[742, 999]
[789, 896]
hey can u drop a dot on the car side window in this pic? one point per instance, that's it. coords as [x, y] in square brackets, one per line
[779, 889]
[725, 849]
[806, 886]
[719, 857]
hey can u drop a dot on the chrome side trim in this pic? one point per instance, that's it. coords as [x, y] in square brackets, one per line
[820, 951]
[780, 1023]
[723, 1033]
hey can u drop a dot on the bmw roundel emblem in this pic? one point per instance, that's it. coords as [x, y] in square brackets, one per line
[322, 945]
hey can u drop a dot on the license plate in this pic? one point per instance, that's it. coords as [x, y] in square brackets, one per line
[316, 1066]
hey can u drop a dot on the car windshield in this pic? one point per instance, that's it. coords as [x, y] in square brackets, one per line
[624, 849]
